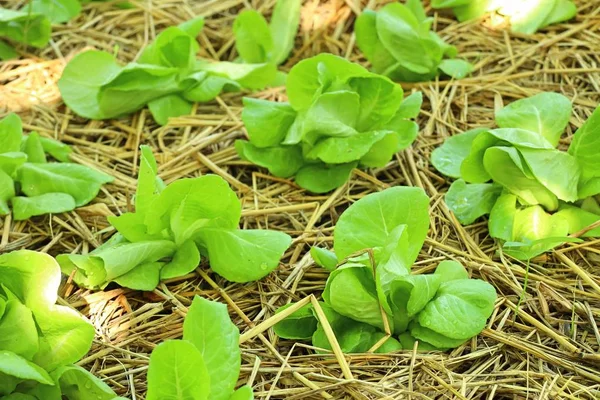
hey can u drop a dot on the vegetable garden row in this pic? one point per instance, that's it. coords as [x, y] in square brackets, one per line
[287, 199]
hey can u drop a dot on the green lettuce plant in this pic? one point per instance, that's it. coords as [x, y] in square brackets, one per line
[371, 294]
[339, 117]
[398, 42]
[205, 364]
[535, 194]
[39, 340]
[171, 228]
[32, 185]
[525, 16]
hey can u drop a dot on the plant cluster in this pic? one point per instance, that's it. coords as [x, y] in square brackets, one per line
[398, 42]
[525, 16]
[205, 365]
[168, 77]
[535, 194]
[39, 340]
[171, 227]
[32, 185]
[371, 294]
[339, 117]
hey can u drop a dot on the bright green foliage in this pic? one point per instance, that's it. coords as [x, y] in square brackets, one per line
[24, 27]
[535, 194]
[398, 42]
[525, 16]
[339, 116]
[205, 364]
[34, 186]
[171, 228]
[441, 310]
[39, 340]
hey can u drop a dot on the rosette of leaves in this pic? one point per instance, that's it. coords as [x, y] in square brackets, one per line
[535, 194]
[32, 185]
[171, 228]
[39, 340]
[525, 16]
[205, 364]
[376, 241]
[398, 42]
[339, 117]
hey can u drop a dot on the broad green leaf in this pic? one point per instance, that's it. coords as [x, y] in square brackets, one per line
[324, 258]
[192, 27]
[466, 11]
[169, 106]
[416, 7]
[7, 192]
[82, 79]
[250, 76]
[81, 182]
[340, 150]
[528, 249]
[502, 217]
[56, 149]
[563, 10]
[281, 161]
[7, 52]
[190, 205]
[410, 106]
[459, 310]
[149, 184]
[208, 327]
[546, 114]
[379, 100]
[267, 122]
[585, 146]
[18, 332]
[284, 25]
[321, 178]
[25, 27]
[590, 187]
[177, 371]
[243, 255]
[303, 80]
[301, 325]
[87, 271]
[398, 29]
[33, 277]
[12, 364]
[209, 87]
[65, 337]
[591, 205]
[253, 40]
[528, 16]
[455, 68]
[578, 219]
[432, 338]
[382, 151]
[243, 393]
[144, 276]
[185, 260]
[451, 270]
[58, 11]
[131, 226]
[448, 158]
[10, 162]
[78, 384]
[408, 343]
[533, 223]
[351, 292]
[367, 40]
[49, 203]
[368, 223]
[408, 295]
[32, 146]
[11, 133]
[507, 169]
[332, 114]
[470, 201]
[172, 48]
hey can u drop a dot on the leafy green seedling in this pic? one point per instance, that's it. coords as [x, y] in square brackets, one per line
[205, 364]
[339, 116]
[398, 42]
[535, 194]
[39, 340]
[525, 16]
[376, 241]
[32, 185]
[171, 228]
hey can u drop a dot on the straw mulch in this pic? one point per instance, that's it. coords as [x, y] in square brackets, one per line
[542, 341]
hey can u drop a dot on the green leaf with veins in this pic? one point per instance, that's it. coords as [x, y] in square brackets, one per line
[469, 201]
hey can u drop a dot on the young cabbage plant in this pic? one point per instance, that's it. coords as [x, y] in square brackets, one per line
[525, 16]
[339, 117]
[205, 365]
[171, 228]
[398, 42]
[376, 241]
[535, 195]
[39, 340]
[32, 185]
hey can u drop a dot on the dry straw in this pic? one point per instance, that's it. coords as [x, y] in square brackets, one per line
[542, 341]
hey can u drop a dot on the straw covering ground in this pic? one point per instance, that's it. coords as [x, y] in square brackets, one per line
[543, 339]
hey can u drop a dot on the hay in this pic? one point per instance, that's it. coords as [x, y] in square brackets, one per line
[541, 342]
